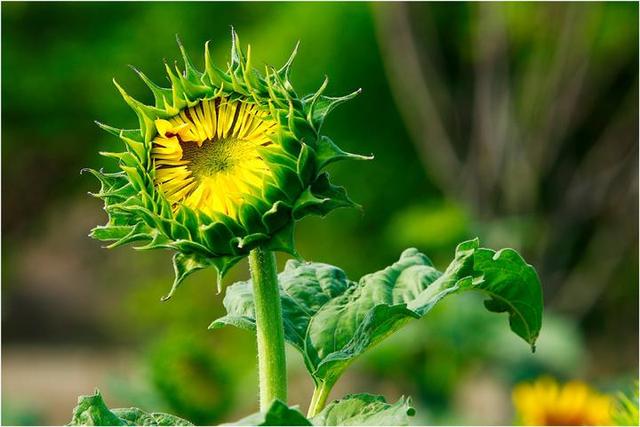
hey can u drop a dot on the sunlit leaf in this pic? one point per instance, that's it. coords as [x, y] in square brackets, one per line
[365, 409]
[93, 411]
[332, 320]
[279, 414]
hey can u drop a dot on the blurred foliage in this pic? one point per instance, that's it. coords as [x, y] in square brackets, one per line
[21, 414]
[196, 385]
[435, 226]
[552, 84]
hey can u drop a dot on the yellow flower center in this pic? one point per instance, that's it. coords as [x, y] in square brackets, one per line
[208, 156]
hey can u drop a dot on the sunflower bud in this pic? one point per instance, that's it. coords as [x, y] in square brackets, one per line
[223, 162]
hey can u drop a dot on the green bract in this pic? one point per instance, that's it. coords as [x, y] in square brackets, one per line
[292, 187]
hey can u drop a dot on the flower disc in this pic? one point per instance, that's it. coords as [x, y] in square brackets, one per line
[207, 157]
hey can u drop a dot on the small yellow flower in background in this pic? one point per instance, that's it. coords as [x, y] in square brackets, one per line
[545, 402]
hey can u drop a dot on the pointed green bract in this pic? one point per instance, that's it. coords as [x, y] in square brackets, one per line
[139, 212]
[332, 320]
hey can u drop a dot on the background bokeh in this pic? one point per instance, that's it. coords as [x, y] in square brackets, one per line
[517, 123]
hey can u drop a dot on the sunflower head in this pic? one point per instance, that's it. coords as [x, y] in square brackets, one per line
[545, 402]
[222, 162]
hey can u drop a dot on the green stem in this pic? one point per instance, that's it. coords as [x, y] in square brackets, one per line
[319, 398]
[272, 367]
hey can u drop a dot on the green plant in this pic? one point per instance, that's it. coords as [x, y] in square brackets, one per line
[222, 167]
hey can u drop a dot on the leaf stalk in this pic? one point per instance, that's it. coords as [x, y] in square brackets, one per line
[319, 398]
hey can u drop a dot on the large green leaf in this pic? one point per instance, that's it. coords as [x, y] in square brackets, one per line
[333, 320]
[365, 410]
[92, 411]
[355, 409]
[279, 414]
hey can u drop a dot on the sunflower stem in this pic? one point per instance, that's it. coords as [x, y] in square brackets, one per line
[272, 368]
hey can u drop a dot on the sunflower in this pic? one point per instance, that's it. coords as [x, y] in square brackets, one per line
[223, 162]
[545, 402]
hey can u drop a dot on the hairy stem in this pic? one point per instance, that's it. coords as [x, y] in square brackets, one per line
[319, 398]
[272, 368]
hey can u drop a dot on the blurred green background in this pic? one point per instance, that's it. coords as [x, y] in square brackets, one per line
[514, 122]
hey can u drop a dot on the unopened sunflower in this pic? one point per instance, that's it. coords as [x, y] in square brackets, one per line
[223, 162]
[546, 403]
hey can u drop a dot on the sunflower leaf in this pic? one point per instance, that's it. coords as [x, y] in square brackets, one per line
[365, 410]
[93, 411]
[332, 320]
[278, 414]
